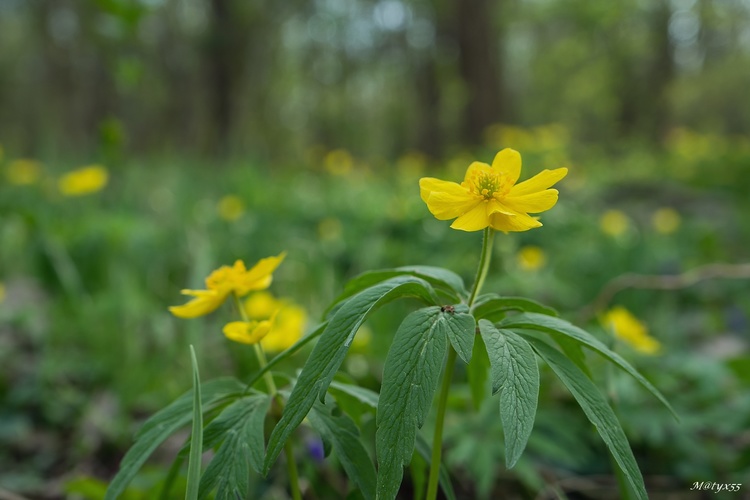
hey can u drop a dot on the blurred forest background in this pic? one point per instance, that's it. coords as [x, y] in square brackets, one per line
[378, 78]
[226, 129]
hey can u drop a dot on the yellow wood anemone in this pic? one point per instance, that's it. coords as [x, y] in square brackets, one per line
[490, 197]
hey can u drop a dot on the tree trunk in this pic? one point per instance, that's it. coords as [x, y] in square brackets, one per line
[479, 67]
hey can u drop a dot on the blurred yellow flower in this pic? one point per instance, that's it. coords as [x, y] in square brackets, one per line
[666, 220]
[83, 181]
[362, 338]
[288, 324]
[614, 223]
[231, 207]
[339, 162]
[330, 229]
[412, 164]
[23, 172]
[531, 258]
[225, 280]
[629, 329]
[2, 293]
[489, 196]
[247, 332]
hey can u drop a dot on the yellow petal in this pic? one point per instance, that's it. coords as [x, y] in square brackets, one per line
[508, 161]
[287, 328]
[517, 222]
[247, 332]
[429, 185]
[534, 202]
[205, 302]
[475, 219]
[540, 182]
[446, 206]
[259, 276]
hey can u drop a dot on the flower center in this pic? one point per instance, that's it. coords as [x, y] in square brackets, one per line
[488, 183]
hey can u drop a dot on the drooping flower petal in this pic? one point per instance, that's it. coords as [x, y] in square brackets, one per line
[508, 161]
[205, 302]
[539, 182]
[446, 206]
[429, 185]
[475, 219]
[533, 202]
[247, 332]
[518, 222]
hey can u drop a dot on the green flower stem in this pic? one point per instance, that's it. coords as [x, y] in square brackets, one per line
[273, 391]
[437, 440]
[484, 263]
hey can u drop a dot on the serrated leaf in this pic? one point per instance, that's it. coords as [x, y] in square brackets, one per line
[196, 435]
[515, 375]
[444, 479]
[461, 331]
[597, 410]
[165, 423]
[478, 372]
[331, 349]
[561, 327]
[343, 435]
[493, 307]
[437, 276]
[241, 427]
[410, 378]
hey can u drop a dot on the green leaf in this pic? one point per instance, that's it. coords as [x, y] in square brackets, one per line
[477, 372]
[462, 330]
[165, 423]
[561, 327]
[493, 307]
[343, 435]
[287, 352]
[241, 427]
[515, 375]
[331, 349]
[424, 449]
[196, 436]
[410, 378]
[597, 410]
[437, 276]
[366, 396]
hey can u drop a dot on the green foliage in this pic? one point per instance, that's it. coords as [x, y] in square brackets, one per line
[515, 376]
[196, 436]
[165, 423]
[410, 377]
[597, 410]
[331, 349]
[240, 429]
[341, 433]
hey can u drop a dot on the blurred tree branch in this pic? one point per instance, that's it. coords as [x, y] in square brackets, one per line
[662, 282]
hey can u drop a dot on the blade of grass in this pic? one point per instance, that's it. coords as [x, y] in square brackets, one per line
[196, 439]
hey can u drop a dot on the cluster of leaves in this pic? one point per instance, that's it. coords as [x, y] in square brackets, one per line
[499, 337]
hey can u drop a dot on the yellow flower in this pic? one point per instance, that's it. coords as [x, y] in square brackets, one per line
[614, 223]
[489, 196]
[83, 181]
[531, 258]
[666, 220]
[23, 172]
[289, 320]
[339, 162]
[629, 329]
[247, 332]
[225, 280]
[231, 208]
[2, 293]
